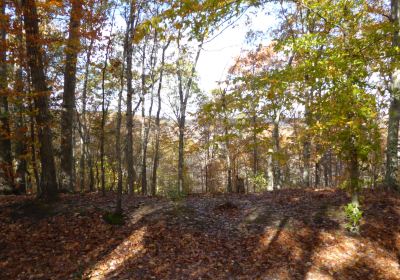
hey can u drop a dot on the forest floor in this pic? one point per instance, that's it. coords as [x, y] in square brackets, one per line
[288, 234]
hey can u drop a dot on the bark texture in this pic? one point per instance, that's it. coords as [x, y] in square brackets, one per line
[68, 105]
[48, 180]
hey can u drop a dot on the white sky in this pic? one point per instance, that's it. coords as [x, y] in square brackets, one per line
[218, 55]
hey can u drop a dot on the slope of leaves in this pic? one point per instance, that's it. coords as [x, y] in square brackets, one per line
[288, 234]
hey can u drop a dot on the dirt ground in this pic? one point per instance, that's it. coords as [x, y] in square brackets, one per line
[288, 234]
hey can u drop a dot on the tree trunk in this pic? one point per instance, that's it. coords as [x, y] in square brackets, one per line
[85, 149]
[129, 95]
[48, 182]
[354, 174]
[394, 110]
[276, 169]
[104, 110]
[33, 140]
[227, 143]
[157, 124]
[118, 208]
[21, 149]
[184, 93]
[255, 146]
[307, 149]
[181, 149]
[143, 124]
[68, 111]
[6, 167]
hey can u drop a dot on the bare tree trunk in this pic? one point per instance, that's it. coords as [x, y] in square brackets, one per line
[317, 174]
[146, 127]
[91, 173]
[104, 109]
[129, 114]
[227, 143]
[255, 152]
[276, 169]
[184, 93]
[143, 125]
[181, 150]
[354, 174]
[157, 124]
[118, 208]
[68, 112]
[21, 149]
[391, 179]
[317, 168]
[48, 182]
[307, 149]
[207, 161]
[85, 150]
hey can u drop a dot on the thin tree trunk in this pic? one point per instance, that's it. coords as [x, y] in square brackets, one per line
[118, 208]
[143, 125]
[21, 149]
[394, 110]
[354, 174]
[104, 110]
[157, 124]
[275, 164]
[85, 150]
[131, 176]
[307, 149]
[183, 99]
[91, 173]
[227, 143]
[255, 152]
[48, 182]
[153, 62]
[68, 112]
[317, 174]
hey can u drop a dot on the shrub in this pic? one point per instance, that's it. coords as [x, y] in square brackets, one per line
[354, 215]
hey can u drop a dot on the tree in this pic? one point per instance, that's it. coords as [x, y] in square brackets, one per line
[48, 180]
[128, 45]
[391, 175]
[68, 112]
[157, 121]
[21, 147]
[6, 166]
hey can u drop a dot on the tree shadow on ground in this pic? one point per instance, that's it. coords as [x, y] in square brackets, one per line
[276, 235]
[361, 269]
[59, 245]
[382, 221]
[173, 251]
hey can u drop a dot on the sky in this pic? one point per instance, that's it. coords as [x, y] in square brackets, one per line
[219, 54]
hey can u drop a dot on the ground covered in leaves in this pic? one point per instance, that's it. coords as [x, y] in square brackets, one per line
[288, 234]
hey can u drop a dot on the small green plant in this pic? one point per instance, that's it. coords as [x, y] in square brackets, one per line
[354, 215]
[114, 219]
[259, 181]
[174, 195]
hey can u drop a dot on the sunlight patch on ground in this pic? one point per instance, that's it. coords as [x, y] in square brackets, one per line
[127, 250]
[144, 211]
[347, 251]
[315, 274]
[340, 253]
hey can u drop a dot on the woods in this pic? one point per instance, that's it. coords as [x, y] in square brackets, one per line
[107, 102]
[284, 101]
